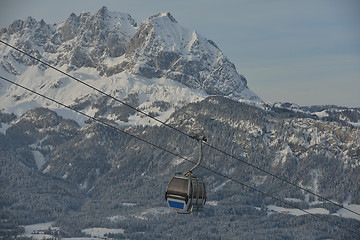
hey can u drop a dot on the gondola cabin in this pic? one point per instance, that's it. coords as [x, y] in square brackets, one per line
[185, 194]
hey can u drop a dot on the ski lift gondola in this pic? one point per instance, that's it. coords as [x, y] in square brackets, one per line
[186, 193]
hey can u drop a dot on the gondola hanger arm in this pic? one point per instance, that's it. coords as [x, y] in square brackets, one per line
[200, 139]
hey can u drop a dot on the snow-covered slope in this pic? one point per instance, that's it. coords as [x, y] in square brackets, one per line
[156, 96]
[157, 67]
[161, 47]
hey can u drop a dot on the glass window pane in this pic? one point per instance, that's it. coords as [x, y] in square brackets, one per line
[178, 186]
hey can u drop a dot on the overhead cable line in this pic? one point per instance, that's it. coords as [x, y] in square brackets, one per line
[174, 128]
[184, 158]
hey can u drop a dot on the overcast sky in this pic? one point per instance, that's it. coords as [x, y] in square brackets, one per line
[303, 51]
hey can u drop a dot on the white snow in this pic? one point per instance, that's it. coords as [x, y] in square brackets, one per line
[212, 203]
[293, 199]
[18, 109]
[81, 238]
[157, 211]
[100, 232]
[342, 212]
[39, 226]
[35, 231]
[220, 186]
[38, 236]
[70, 114]
[69, 91]
[174, 37]
[295, 211]
[322, 114]
[4, 127]
[176, 161]
[129, 204]
[83, 186]
[110, 62]
[117, 218]
[153, 212]
[357, 124]
[39, 159]
[315, 174]
[47, 169]
[65, 176]
[282, 155]
[122, 22]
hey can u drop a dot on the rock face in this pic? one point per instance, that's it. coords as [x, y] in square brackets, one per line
[81, 41]
[162, 48]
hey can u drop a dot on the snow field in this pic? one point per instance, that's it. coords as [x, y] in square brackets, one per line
[67, 91]
[342, 212]
[100, 232]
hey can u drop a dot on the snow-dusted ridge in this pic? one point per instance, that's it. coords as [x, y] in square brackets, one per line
[342, 212]
[55, 86]
[169, 50]
[157, 67]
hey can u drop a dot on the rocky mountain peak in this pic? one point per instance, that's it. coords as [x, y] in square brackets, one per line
[96, 28]
[109, 47]
[163, 14]
[30, 29]
[160, 47]
[81, 41]
[163, 48]
[103, 12]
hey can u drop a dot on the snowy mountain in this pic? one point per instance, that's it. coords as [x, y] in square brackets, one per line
[95, 177]
[60, 169]
[162, 48]
[156, 67]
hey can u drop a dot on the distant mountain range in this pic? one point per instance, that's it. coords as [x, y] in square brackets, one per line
[57, 166]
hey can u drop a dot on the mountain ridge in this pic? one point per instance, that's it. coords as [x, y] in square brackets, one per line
[96, 169]
[108, 47]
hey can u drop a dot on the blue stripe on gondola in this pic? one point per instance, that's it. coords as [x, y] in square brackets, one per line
[177, 205]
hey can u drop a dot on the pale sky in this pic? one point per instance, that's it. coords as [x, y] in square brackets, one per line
[305, 51]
